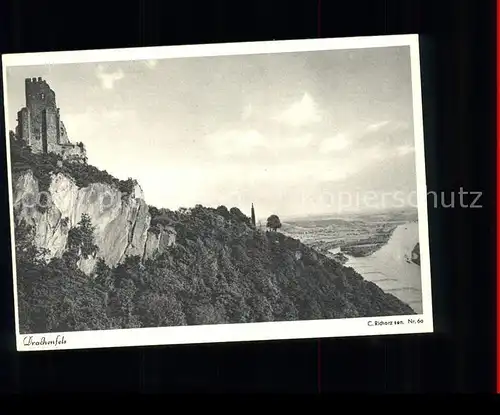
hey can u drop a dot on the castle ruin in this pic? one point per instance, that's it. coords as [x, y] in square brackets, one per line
[40, 126]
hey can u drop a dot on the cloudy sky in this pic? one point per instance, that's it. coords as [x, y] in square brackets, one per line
[289, 132]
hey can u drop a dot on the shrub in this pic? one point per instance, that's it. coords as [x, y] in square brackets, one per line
[238, 216]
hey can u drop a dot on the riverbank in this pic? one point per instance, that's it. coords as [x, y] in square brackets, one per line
[371, 244]
[390, 269]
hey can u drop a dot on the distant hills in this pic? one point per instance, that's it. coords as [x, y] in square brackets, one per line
[390, 214]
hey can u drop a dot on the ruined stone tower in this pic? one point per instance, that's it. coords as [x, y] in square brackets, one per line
[39, 123]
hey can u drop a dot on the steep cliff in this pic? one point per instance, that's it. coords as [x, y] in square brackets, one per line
[122, 222]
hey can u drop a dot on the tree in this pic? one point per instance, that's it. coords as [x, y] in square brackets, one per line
[153, 212]
[253, 216]
[104, 275]
[127, 186]
[222, 211]
[273, 222]
[81, 238]
[27, 253]
[239, 216]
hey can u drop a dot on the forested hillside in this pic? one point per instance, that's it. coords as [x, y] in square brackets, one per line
[221, 270]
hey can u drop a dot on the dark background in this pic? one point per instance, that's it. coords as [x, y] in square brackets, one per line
[458, 79]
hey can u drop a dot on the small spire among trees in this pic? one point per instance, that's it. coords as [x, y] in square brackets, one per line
[253, 216]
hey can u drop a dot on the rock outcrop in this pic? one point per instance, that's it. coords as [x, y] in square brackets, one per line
[122, 222]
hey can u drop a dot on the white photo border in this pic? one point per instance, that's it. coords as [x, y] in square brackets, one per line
[217, 333]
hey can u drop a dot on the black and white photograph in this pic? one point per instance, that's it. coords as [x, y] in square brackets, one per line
[214, 193]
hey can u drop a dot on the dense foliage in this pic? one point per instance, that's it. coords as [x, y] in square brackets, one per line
[273, 222]
[55, 295]
[221, 270]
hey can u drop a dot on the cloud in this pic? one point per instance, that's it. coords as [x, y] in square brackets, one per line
[248, 142]
[247, 112]
[387, 134]
[241, 176]
[385, 175]
[332, 144]
[113, 115]
[108, 79]
[300, 113]
[79, 125]
[300, 141]
[378, 152]
[404, 150]
[224, 143]
[377, 126]
[151, 63]
[98, 117]
[103, 131]
[387, 126]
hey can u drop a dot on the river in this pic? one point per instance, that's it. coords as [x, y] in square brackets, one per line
[389, 269]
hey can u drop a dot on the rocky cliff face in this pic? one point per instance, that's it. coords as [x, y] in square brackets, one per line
[122, 222]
